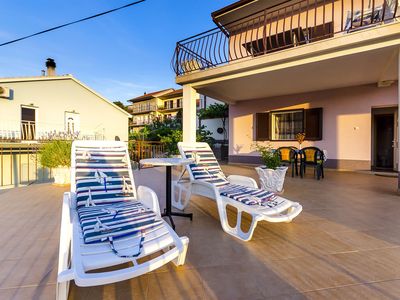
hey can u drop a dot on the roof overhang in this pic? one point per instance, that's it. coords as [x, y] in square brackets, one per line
[241, 9]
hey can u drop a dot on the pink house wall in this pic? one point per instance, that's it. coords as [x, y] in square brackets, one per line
[346, 121]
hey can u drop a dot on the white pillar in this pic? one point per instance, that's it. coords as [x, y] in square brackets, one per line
[189, 113]
[398, 117]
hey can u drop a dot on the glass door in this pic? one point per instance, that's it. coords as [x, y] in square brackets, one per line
[28, 123]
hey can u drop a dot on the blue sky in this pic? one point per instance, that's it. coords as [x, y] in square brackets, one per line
[120, 55]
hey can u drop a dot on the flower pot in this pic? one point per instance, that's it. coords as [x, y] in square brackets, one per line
[272, 180]
[62, 175]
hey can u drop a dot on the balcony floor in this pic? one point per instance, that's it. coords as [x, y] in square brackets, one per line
[345, 245]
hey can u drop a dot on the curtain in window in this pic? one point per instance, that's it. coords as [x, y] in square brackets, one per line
[287, 124]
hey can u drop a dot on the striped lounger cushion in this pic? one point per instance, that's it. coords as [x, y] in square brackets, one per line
[207, 169]
[250, 196]
[90, 191]
[110, 161]
[99, 223]
[102, 176]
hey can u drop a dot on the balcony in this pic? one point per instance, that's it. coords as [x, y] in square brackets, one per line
[167, 107]
[282, 27]
[16, 131]
[140, 109]
[140, 122]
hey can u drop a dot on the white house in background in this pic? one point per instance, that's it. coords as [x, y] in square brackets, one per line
[43, 107]
[213, 125]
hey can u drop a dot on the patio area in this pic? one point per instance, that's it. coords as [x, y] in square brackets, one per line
[344, 245]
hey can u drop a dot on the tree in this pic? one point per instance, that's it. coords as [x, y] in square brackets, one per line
[169, 132]
[215, 111]
[121, 105]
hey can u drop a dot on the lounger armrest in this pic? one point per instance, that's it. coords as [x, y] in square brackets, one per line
[149, 198]
[65, 234]
[242, 180]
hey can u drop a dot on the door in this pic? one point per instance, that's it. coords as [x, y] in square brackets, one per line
[28, 123]
[384, 125]
[72, 123]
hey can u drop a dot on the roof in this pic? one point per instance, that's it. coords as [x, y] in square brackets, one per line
[230, 7]
[61, 77]
[151, 95]
[242, 9]
[173, 94]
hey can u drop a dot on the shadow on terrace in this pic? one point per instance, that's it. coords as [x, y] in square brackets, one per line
[344, 245]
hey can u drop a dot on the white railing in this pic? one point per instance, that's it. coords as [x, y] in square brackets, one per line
[40, 131]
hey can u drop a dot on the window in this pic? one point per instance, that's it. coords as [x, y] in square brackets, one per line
[178, 103]
[171, 104]
[165, 104]
[286, 124]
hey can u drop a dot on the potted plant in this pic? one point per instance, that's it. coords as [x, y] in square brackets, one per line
[272, 174]
[56, 155]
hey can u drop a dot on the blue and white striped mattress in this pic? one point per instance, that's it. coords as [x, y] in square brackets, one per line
[105, 198]
[206, 168]
[101, 173]
[121, 219]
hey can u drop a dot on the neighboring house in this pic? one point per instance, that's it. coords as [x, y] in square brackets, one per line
[47, 107]
[166, 104]
[326, 68]
[145, 108]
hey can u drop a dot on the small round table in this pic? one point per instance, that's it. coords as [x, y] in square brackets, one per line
[169, 163]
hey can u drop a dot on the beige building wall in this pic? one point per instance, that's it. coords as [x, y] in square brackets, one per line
[53, 98]
[346, 123]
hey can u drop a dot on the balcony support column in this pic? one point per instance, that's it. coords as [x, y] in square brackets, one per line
[189, 113]
[398, 118]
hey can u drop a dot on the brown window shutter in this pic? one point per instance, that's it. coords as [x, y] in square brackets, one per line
[262, 127]
[313, 124]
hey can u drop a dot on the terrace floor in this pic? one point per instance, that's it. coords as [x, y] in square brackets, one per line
[345, 245]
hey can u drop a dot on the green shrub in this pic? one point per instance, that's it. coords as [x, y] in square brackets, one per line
[56, 154]
[269, 156]
[171, 141]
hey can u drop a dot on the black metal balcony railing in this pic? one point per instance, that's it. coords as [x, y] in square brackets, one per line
[279, 28]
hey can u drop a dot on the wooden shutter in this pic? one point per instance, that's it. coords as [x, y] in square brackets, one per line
[313, 124]
[262, 127]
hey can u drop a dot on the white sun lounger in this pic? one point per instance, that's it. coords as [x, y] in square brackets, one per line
[101, 178]
[207, 179]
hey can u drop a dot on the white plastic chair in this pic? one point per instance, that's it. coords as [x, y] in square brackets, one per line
[76, 258]
[279, 210]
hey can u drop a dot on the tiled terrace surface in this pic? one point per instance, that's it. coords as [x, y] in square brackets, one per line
[345, 245]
